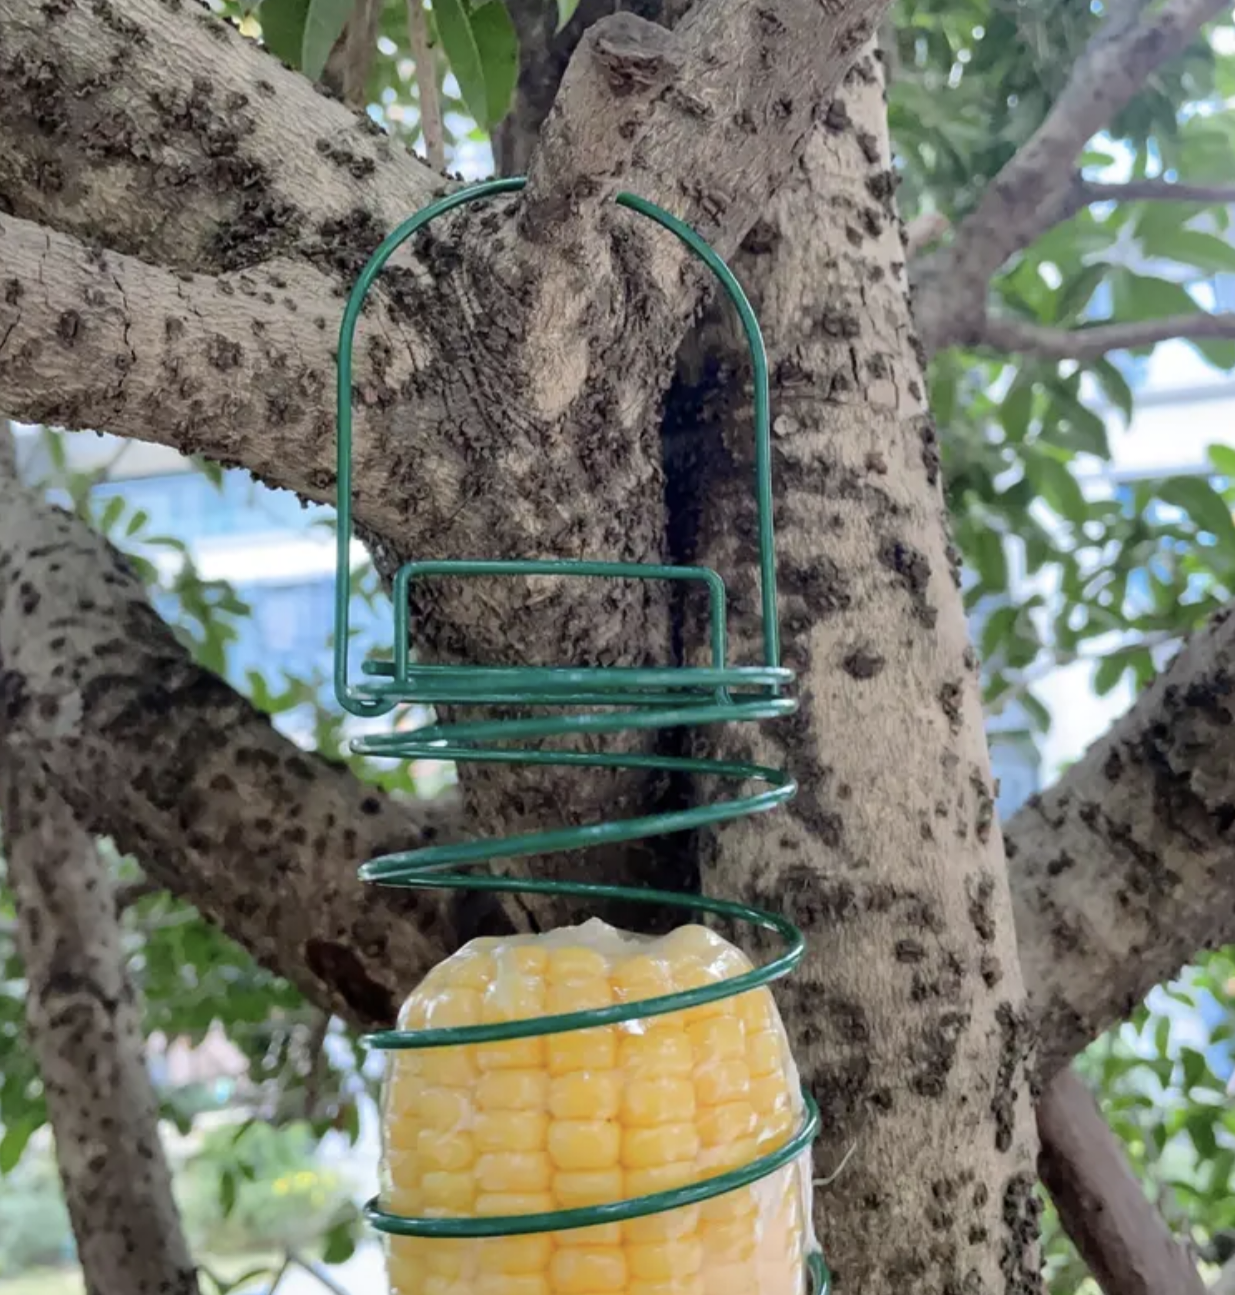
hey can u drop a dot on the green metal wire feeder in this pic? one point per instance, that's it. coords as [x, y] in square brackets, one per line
[651, 697]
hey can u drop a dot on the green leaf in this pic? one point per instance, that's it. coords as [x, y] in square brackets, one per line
[1223, 459]
[1057, 486]
[16, 1136]
[1141, 296]
[1192, 247]
[283, 24]
[1204, 505]
[497, 44]
[1073, 295]
[565, 12]
[111, 514]
[1107, 675]
[323, 26]
[1017, 407]
[986, 552]
[1195, 1068]
[340, 1243]
[459, 43]
[1114, 386]
[1218, 351]
[136, 522]
[227, 1192]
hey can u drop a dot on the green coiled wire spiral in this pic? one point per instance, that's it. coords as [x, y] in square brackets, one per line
[650, 698]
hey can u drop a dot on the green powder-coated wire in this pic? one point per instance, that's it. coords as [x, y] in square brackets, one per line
[650, 697]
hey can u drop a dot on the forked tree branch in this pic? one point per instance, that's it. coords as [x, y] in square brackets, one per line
[1034, 191]
[180, 770]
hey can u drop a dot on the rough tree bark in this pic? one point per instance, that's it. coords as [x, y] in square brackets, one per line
[84, 1024]
[909, 1014]
[224, 235]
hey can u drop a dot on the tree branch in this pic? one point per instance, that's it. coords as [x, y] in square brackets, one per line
[1089, 192]
[428, 99]
[1119, 1233]
[1018, 336]
[85, 1030]
[1119, 869]
[148, 748]
[1034, 189]
[160, 131]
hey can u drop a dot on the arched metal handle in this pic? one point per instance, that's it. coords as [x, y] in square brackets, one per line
[366, 705]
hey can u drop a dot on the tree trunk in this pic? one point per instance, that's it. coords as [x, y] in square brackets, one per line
[85, 1028]
[909, 1014]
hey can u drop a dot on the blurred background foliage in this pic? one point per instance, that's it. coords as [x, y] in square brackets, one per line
[1058, 569]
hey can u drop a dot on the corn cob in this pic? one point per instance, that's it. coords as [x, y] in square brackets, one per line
[594, 1116]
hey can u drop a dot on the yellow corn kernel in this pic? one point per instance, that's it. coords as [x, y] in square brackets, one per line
[680, 1286]
[664, 1262]
[721, 1038]
[513, 998]
[448, 1258]
[602, 1234]
[641, 977]
[658, 1101]
[661, 1145]
[763, 1053]
[729, 1208]
[576, 963]
[511, 1284]
[718, 1082]
[513, 1090]
[450, 1151]
[514, 1171]
[515, 1255]
[511, 1130]
[578, 1187]
[667, 1052]
[492, 1205]
[445, 1109]
[434, 1285]
[450, 1067]
[584, 1270]
[524, 959]
[768, 1095]
[453, 1007]
[577, 996]
[729, 1155]
[513, 1054]
[447, 1191]
[726, 1122]
[756, 1010]
[586, 1050]
[474, 971]
[660, 1178]
[672, 1225]
[691, 973]
[585, 1095]
[584, 1144]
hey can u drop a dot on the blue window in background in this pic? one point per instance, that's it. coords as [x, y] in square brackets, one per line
[188, 507]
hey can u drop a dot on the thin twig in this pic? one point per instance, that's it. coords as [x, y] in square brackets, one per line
[1023, 338]
[426, 85]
